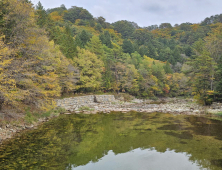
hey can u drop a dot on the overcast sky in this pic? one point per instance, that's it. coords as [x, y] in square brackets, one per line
[144, 12]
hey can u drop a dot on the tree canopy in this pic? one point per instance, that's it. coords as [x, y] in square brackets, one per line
[45, 53]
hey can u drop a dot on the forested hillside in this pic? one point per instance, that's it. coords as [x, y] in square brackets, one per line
[45, 53]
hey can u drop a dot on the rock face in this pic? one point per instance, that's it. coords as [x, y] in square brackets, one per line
[74, 103]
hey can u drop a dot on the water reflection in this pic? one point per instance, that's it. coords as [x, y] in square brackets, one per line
[118, 141]
[143, 159]
[206, 127]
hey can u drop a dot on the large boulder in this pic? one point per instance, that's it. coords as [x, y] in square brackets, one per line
[104, 98]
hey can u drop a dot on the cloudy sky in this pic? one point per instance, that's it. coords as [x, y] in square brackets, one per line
[144, 12]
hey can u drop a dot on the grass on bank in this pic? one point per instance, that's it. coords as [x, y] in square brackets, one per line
[31, 117]
[218, 114]
[85, 108]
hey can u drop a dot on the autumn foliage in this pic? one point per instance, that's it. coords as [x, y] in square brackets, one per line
[45, 53]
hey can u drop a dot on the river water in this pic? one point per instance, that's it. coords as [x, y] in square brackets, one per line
[117, 141]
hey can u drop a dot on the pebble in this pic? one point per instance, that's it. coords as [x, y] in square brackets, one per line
[67, 113]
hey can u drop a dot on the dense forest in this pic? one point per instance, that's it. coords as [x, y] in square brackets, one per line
[46, 53]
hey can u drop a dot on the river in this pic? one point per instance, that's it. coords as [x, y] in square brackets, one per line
[118, 141]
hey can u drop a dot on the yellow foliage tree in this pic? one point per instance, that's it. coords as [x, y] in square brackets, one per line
[7, 84]
[55, 16]
[91, 69]
[131, 80]
[36, 71]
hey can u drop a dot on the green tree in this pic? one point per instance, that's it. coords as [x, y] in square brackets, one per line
[202, 71]
[131, 80]
[127, 46]
[42, 16]
[152, 51]
[219, 79]
[60, 9]
[75, 13]
[95, 46]
[136, 59]
[98, 27]
[83, 38]
[167, 68]
[142, 36]
[124, 27]
[106, 39]
[66, 42]
[188, 51]
[176, 55]
[102, 21]
[165, 25]
[114, 67]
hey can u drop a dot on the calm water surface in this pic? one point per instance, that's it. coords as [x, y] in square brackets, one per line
[130, 141]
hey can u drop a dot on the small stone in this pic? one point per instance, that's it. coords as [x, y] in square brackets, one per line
[29, 127]
[12, 130]
[67, 113]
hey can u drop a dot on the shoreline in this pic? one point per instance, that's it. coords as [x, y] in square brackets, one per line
[165, 105]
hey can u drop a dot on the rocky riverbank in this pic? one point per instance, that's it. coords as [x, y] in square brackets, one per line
[9, 130]
[107, 103]
[166, 105]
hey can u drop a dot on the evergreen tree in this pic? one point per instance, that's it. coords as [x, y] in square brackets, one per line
[83, 38]
[98, 27]
[42, 16]
[75, 13]
[66, 42]
[219, 80]
[95, 46]
[106, 39]
[167, 68]
[176, 55]
[202, 69]
[124, 27]
[152, 51]
[143, 50]
[127, 46]
[188, 51]
[171, 60]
